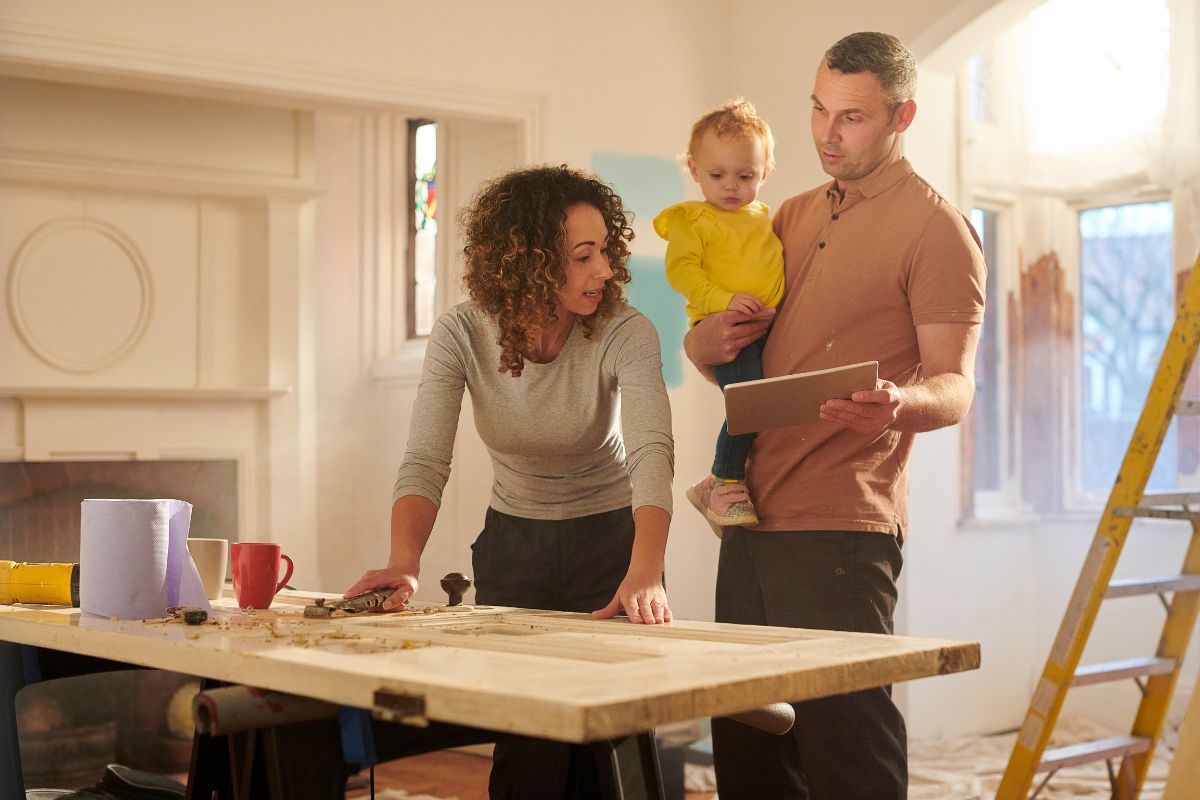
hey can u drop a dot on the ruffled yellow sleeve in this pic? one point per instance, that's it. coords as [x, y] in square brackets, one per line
[685, 226]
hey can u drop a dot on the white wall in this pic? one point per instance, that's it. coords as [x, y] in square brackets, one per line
[628, 78]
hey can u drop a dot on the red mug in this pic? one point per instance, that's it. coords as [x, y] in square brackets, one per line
[255, 572]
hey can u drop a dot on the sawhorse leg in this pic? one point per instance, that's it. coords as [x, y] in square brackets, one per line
[301, 761]
[311, 760]
[629, 768]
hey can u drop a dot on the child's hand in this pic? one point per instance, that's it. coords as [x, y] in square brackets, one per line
[745, 303]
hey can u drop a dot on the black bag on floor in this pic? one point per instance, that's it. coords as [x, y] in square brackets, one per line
[122, 783]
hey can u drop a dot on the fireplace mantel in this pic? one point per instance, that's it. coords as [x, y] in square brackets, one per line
[161, 292]
[124, 393]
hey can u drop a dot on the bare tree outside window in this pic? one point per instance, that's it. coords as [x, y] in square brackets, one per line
[1128, 307]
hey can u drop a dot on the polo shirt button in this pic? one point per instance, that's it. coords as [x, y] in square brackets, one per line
[821, 245]
[835, 216]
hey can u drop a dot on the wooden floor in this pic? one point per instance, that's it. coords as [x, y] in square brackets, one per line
[444, 774]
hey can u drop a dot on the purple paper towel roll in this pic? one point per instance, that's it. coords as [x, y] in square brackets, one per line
[133, 558]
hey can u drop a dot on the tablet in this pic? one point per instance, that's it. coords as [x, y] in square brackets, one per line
[788, 400]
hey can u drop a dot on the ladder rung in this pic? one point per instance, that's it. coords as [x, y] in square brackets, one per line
[1087, 752]
[1170, 498]
[1188, 408]
[1158, 584]
[1119, 670]
[1162, 513]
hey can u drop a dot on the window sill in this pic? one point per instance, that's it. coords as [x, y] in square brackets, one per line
[998, 518]
[402, 367]
[1020, 518]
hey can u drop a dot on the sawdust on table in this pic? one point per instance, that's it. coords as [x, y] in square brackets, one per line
[297, 630]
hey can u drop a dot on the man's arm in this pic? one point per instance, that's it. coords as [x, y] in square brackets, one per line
[718, 338]
[940, 397]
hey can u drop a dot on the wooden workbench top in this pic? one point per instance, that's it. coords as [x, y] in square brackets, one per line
[540, 673]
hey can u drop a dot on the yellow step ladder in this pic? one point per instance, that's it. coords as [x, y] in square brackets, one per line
[1155, 675]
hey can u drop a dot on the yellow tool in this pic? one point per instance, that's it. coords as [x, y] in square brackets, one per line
[29, 582]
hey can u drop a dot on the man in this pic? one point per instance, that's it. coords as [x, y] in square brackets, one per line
[878, 267]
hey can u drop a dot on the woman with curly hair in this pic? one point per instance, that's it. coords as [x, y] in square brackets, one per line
[567, 391]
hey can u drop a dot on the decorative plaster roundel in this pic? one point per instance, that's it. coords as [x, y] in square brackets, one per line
[79, 294]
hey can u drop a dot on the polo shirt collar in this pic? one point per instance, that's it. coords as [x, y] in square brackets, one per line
[890, 171]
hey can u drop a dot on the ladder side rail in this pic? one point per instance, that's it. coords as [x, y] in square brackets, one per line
[1174, 366]
[1152, 710]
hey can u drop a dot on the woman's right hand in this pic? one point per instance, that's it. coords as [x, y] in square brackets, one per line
[404, 580]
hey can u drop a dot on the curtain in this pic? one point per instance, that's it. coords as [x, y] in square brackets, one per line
[1085, 97]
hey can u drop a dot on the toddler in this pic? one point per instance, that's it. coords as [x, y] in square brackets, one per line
[723, 255]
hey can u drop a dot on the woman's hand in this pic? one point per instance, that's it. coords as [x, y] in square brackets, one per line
[643, 598]
[404, 580]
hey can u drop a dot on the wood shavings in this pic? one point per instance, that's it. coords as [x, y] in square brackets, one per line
[339, 634]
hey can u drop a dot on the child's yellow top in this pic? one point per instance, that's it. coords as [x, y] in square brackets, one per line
[713, 254]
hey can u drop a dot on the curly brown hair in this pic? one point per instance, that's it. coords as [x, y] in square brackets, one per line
[516, 255]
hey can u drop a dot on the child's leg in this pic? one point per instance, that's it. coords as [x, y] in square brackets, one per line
[729, 462]
[721, 501]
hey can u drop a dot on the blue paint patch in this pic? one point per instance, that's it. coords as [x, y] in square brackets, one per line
[647, 184]
[650, 293]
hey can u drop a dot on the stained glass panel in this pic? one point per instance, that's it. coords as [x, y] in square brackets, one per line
[423, 241]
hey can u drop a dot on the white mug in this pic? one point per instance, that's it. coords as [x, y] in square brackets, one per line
[212, 561]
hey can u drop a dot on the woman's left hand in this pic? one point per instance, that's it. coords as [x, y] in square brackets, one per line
[643, 598]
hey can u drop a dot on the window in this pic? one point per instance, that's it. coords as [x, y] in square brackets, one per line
[1057, 398]
[979, 88]
[1127, 310]
[421, 290]
[987, 454]
[1080, 298]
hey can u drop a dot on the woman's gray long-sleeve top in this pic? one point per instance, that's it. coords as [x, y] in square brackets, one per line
[586, 433]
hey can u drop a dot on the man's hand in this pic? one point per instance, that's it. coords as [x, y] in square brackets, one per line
[719, 337]
[870, 411]
[748, 304]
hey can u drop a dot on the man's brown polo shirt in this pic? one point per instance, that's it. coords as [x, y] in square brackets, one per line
[862, 272]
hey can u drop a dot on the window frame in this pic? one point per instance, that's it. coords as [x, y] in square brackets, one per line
[1076, 498]
[1001, 503]
[410, 248]
[470, 150]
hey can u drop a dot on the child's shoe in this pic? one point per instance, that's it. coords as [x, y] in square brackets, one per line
[722, 504]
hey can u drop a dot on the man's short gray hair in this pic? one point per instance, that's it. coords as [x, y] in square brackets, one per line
[880, 54]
